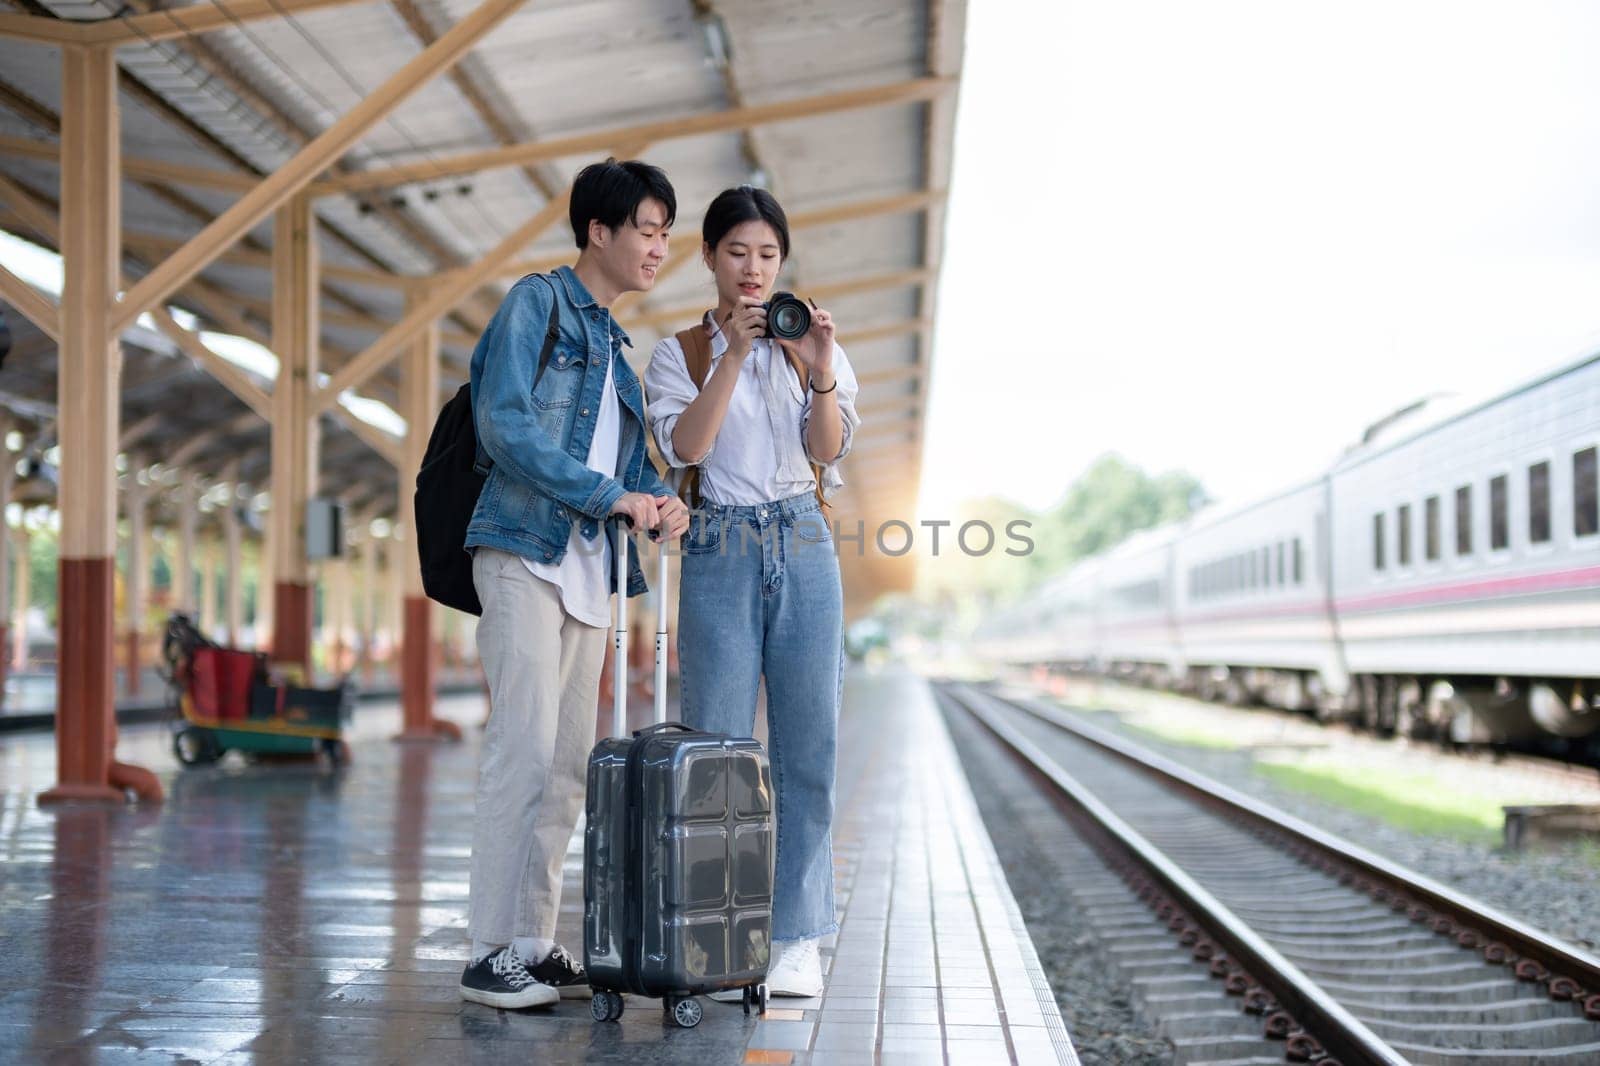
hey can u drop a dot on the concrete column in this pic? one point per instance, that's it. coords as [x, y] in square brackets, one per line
[136, 582]
[23, 595]
[294, 425]
[371, 599]
[394, 551]
[262, 622]
[88, 383]
[419, 405]
[183, 597]
[233, 537]
[337, 611]
[208, 589]
[8, 478]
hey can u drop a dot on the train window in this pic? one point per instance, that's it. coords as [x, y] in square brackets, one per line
[1403, 544]
[1377, 541]
[1299, 573]
[1266, 567]
[1430, 518]
[1499, 520]
[1281, 574]
[1464, 520]
[1539, 503]
[1585, 493]
[1252, 570]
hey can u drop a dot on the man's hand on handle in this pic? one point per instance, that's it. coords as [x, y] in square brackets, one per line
[666, 513]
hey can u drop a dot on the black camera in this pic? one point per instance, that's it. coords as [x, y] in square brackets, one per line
[788, 318]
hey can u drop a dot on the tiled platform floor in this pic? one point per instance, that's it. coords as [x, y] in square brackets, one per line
[284, 913]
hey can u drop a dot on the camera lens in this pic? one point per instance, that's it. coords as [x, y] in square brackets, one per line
[786, 322]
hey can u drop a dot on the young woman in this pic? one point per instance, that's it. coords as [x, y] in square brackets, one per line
[763, 430]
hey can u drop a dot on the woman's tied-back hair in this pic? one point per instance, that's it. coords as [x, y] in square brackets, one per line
[611, 193]
[746, 203]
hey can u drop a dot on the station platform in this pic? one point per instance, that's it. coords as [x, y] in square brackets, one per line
[289, 913]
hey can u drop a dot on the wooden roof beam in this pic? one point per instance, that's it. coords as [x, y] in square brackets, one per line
[738, 118]
[826, 216]
[315, 157]
[33, 304]
[229, 376]
[437, 302]
[139, 169]
[195, 445]
[387, 446]
[908, 328]
[669, 316]
[37, 29]
[195, 18]
[889, 375]
[160, 26]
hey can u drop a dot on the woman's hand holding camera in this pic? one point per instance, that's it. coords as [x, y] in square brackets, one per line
[744, 325]
[815, 349]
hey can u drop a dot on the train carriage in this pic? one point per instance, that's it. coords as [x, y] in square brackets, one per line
[1443, 578]
[1467, 564]
[1252, 602]
[1138, 636]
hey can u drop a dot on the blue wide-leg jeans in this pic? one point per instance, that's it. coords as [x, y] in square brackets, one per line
[761, 597]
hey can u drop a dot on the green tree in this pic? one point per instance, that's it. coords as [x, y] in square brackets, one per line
[1109, 501]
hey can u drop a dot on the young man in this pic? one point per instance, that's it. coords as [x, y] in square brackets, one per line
[568, 453]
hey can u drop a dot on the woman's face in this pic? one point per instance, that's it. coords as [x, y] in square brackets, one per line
[745, 262]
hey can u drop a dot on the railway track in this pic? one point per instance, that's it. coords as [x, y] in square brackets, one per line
[1345, 957]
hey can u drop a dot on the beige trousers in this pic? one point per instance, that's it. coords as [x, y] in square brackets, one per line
[543, 669]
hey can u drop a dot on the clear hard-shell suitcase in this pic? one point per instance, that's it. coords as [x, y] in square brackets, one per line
[677, 852]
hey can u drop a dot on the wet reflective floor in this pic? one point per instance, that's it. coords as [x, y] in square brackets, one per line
[284, 912]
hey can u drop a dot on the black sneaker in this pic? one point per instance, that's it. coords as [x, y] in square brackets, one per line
[563, 973]
[501, 980]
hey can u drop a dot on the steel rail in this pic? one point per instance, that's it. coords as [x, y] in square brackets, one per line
[1340, 1034]
[1568, 972]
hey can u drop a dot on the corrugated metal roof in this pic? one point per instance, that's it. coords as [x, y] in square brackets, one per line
[246, 98]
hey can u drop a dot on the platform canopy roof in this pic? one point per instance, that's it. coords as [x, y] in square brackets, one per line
[843, 108]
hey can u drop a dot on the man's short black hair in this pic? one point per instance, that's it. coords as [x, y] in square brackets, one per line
[611, 193]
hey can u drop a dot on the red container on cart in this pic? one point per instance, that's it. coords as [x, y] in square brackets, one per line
[221, 680]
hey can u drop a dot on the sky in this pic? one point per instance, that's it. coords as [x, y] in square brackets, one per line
[1226, 236]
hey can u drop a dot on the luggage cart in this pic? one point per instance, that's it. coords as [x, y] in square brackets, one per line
[224, 699]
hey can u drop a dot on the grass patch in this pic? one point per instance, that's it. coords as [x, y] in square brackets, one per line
[1417, 802]
[1188, 737]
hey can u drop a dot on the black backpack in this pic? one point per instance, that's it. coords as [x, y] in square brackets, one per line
[448, 485]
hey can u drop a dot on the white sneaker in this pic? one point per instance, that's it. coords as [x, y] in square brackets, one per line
[798, 971]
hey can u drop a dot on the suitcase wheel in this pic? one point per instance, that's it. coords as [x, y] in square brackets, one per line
[686, 1012]
[606, 1006]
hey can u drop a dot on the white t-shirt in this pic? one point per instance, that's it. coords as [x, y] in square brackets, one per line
[583, 576]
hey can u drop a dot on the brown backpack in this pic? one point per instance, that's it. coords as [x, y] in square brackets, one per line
[697, 359]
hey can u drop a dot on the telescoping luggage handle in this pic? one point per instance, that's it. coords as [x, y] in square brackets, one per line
[619, 637]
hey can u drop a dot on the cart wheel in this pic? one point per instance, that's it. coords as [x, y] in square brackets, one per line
[687, 1013]
[761, 997]
[606, 1006]
[195, 746]
[749, 995]
[338, 752]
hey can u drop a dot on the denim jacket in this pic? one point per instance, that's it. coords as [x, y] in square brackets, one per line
[539, 438]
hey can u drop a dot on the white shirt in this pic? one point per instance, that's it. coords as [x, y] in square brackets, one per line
[583, 576]
[761, 451]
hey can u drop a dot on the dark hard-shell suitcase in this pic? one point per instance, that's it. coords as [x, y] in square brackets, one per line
[677, 853]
